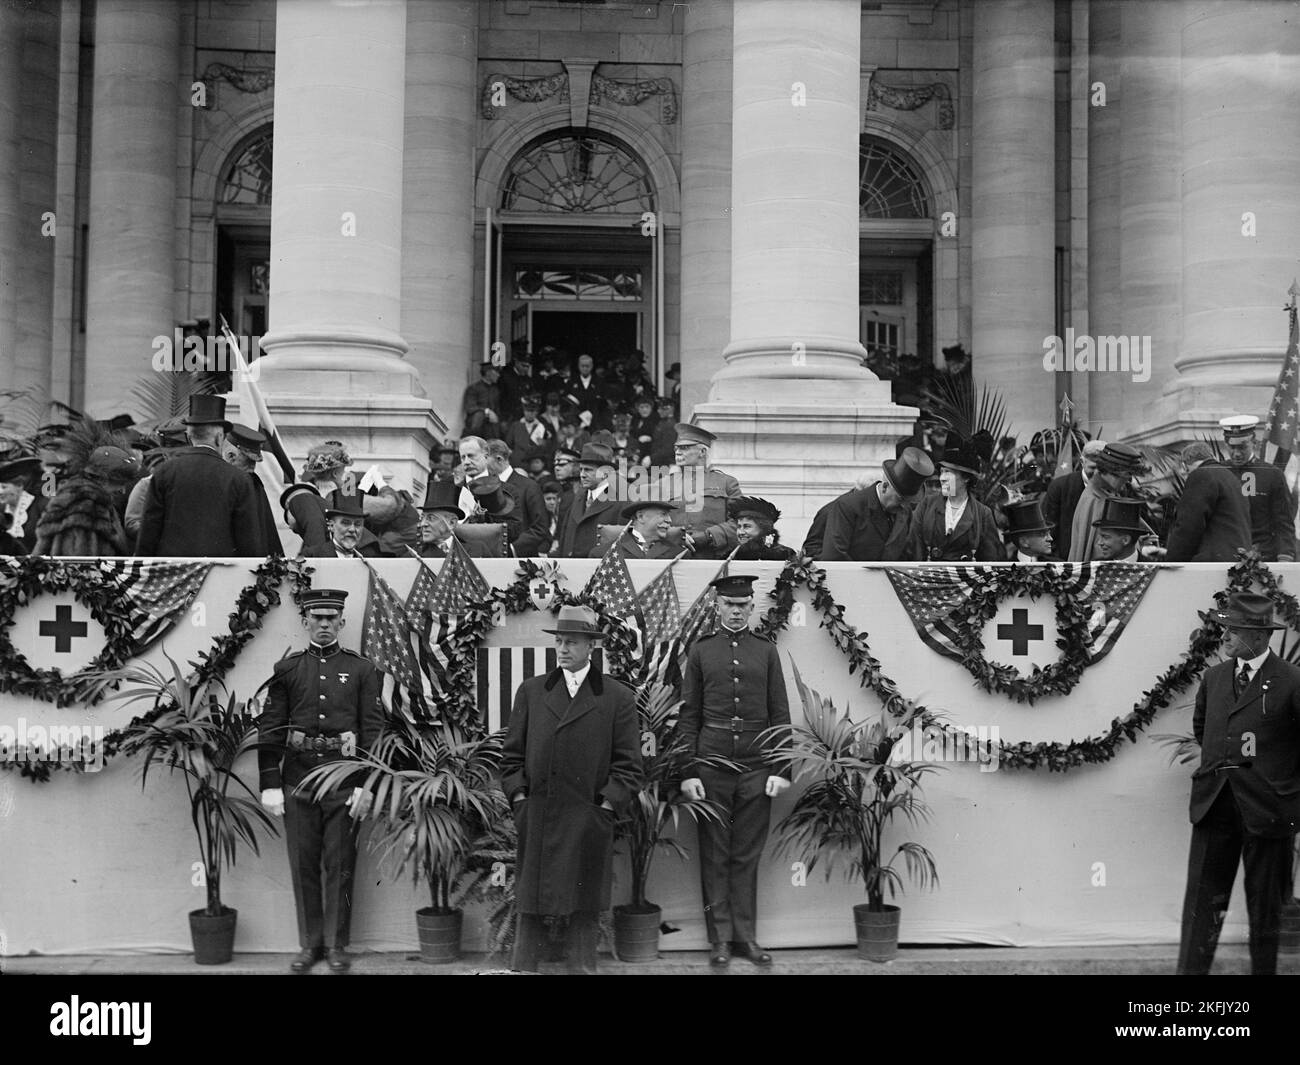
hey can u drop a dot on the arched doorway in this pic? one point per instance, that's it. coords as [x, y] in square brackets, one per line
[243, 224]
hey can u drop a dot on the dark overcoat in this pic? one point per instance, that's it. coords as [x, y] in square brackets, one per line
[974, 538]
[1059, 501]
[200, 506]
[1272, 508]
[1250, 743]
[582, 524]
[1213, 518]
[860, 529]
[568, 756]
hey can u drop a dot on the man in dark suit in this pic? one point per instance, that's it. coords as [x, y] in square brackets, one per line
[732, 691]
[529, 435]
[199, 505]
[527, 524]
[516, 384]
[871, 524]
[1063, 493]
[323, 705]
[647, 535]
[346, 523]
[1264, 487]
[587, 395]
[1028, 532]
[438, 518]
[1213, 518]
[591, 506]
[243, 450]
[571, 766]
[1246, 792]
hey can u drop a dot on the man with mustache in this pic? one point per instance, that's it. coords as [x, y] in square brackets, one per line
[346, 522]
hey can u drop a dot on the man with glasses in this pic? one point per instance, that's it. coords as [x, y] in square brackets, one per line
[708, 532]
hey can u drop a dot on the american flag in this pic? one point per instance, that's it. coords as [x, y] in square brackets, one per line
[156, 593]
[701, 618]
[435, 654]
[386, 641]
[1282, 427]
[457, 584]
[661, 613]
[932, 595]
[611, 584]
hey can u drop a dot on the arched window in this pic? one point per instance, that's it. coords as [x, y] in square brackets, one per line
[889, 185]
[247, 178]
[577, 172]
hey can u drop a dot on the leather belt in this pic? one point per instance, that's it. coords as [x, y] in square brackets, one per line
[315, 743]
[734, 724]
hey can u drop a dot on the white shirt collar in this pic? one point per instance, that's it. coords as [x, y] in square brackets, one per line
[639, 538]
[504, 475]
[573, 680]
[600, 490]
[1254, 663]
[1022, 557]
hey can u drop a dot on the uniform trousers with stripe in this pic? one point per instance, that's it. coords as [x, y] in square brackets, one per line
[321, 834]
[730, 852]
[1219, 842]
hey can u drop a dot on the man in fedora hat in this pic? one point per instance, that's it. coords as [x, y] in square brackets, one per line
[1118, 533]
[708, 531]
[1117, 465]
[571, 765]
[323, 704]
[1213, 518]
[243, 450]
[1245, 802]
[438, 518]
[647, 535]
[591, 506]
[200, 506]
[346, 521]
[732, 690]
[1029, 532]
[1264, 487]
[871, 524]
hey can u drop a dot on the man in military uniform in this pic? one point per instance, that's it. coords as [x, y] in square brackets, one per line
[733, 690]
[243, 450]
[708, 531]
[1272, 510]
[323, 705]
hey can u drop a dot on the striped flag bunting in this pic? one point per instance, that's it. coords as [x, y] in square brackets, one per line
[661, 612]
[500, 671]
[701, 618]
[157, 593]
[457, 584]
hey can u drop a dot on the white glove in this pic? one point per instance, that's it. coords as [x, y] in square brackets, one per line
[273, 801]
[359, 804]
[693, 788]
[584, 419]
[775, 785]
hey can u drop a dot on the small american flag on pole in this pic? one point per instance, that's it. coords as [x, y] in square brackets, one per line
[157, 593]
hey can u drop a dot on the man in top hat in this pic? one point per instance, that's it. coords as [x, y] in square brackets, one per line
[243, 450]
[647, 535]
[346, 521]
[1245, 801]
[1117, 465]
[732, 690]
[871, 524]
[1264, 487]
[592, 505]
[571, 765]
[1117, 534]
[526, 524]
[1029, 532]
[322, 705]
[199, 506]
[756, 530]
[708, 532]
[438, 518]
[1213, 518]
[1063, 494]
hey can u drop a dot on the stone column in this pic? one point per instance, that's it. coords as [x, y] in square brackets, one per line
[794, 385]
[63, 327]
[11, 213]
[334, 365]
[438, 197]
[1240, 213]
[706, 196]
[1013, 190]
[132, 237]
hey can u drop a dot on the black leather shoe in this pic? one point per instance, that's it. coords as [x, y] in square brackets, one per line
[753, 952]
[719, 954]
[339, 962]
[305, 959]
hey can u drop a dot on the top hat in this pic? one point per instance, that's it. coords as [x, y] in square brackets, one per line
[693, 434]
[20, 471]
[1122, 514]
[909, 471]
[1248, 610]
[492, 497]
[443, 495]
[597, 455]
[634, 508]
[753, 507]
[1238, 426]
[346, 507]
[962, 457]
[734, 585]
[1026, 516]
[1119, 458]
[247, 439]
[322, 599]
[207, 410]
[293, 490]
[576, 621]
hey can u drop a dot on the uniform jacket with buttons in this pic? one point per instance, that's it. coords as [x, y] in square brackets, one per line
[1272, 509]
[323, 693]
[706, 519]
[732, 674]
[1251, 743]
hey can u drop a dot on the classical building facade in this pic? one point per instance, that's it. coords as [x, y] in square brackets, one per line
[384, 193]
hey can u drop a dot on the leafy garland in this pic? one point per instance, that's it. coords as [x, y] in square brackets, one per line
[251, 608]
[1057, 757]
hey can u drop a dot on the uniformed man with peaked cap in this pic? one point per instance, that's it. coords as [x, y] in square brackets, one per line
[708, 530]
[733, 689]
[1272, 507]
[323, 705]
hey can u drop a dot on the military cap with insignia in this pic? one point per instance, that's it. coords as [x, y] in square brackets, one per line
[246, 439]
[693, 434]
[1238, 425]
[734, 586]
[321, 600]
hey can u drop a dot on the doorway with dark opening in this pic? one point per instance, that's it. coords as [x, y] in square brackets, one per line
[604, 335]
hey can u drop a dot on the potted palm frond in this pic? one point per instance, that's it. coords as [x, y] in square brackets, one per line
[856, 790]
[191, 732]
[655, 813]
[435, 797]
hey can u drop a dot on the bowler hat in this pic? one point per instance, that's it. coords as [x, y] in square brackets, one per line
[576, 621]
[908, 472]
[207, 410]
[597, 455]
[571, 453]
[443, 495]
[634, 508]
[492, 497]
[346, 507]
[1122, 514]
[1248, 610]
[1026, 516]
[320, 599]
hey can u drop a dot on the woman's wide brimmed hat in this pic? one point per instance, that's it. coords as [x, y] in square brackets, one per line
[1248, 610]
[961, 457]
[753, 507]
[576, 621]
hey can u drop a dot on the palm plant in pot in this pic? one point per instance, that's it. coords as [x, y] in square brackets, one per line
[190, 731]
[857, 789]
[435, 801]
[654, 816]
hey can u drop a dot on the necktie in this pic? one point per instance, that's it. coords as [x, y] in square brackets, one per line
[1243, 677]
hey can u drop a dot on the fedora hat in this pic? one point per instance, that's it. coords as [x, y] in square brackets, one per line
[1248, 610]
[597, 455]
[1122, 514]
[576, 621]
[443, 495]
[347, 507]
[1026, 516]
[909, 471]
[961, 457]
[634, 508]
[492, 497]
[207, 410]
